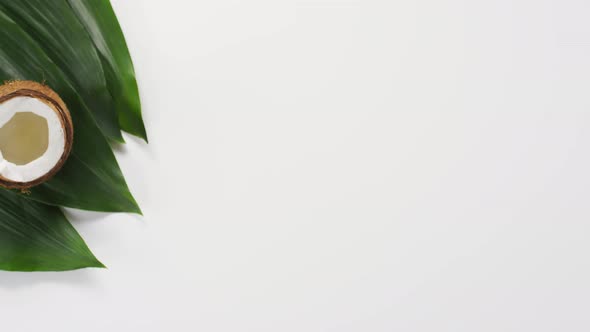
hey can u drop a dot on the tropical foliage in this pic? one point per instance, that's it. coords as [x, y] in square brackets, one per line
[77, 48]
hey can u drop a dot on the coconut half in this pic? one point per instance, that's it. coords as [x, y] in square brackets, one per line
[36, 134]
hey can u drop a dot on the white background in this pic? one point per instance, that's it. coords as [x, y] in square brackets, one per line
[343, 165]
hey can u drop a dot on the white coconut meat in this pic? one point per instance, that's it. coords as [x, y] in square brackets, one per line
[28, 155]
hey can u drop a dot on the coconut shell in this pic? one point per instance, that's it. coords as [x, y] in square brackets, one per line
[49, 97]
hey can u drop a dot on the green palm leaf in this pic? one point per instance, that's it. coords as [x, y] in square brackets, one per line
[53, 25]
[78, 49]
[103, 27]
[37, 237]
[91, 179]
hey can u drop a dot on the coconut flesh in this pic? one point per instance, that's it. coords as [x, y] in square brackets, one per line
[35, 134]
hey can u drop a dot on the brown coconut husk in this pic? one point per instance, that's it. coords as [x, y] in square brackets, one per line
[49, 97]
